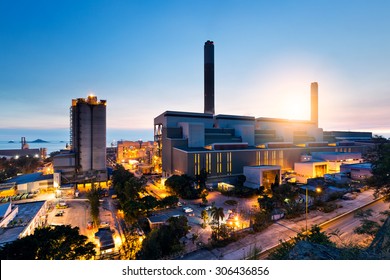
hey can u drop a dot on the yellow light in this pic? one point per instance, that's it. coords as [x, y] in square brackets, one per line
[118, 241]
[318, 190]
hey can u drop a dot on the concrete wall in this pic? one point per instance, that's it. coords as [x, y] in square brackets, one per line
[255, 175]
[246, 132]
[34, 186]
[307, 170]
[286, 129]
[99, 138]
[194, 133]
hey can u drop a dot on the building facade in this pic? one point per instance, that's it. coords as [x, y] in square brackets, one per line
[223, 145]
[86, 156]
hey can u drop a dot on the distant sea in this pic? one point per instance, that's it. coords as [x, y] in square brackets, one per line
[56, 139]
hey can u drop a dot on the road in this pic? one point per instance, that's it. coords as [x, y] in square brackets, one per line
[285, 229]
[347, 223]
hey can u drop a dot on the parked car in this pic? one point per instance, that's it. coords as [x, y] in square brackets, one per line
[62, 205]
[208, 208]
[188, 209]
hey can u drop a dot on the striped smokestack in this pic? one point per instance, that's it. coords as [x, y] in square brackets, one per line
[209, 77]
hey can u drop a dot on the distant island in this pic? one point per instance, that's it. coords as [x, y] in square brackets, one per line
[11, 141]
[38, 141]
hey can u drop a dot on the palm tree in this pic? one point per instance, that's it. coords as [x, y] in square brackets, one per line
[217, 214]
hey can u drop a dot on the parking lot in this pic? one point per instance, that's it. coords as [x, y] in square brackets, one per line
[243, 208]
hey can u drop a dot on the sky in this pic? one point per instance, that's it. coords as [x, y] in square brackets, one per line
[146, 57]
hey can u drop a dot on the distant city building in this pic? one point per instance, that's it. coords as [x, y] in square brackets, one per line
[136, 155]
[17, 153]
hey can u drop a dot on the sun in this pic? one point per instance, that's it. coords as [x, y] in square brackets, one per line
[295, 106]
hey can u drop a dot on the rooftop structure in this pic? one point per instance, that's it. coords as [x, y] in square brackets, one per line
[21, 219]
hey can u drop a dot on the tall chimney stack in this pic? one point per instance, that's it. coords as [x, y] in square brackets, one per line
[209, 78]
[314, 102]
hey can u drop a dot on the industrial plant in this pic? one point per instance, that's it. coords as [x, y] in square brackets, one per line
[226, 145]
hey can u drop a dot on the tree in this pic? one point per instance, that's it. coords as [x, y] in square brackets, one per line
[50, 243]
[379, 157]
[131, 245]
[93, 198]
[24, 164]
[205, 217]
[170, 200]
[240, 180]
[165, 240]
[133, 210]
[314, 235]
[133, 187]
[149, 203]
[217, 214]
[367, 227]
[182, 186]
[203, 196]
[262, 220]
[202, 179]
[126, 185]
[266, 203]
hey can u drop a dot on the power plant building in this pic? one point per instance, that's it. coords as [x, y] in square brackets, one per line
[223, 145]
[86, 157]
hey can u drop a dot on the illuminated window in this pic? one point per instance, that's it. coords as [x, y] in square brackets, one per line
[219, 163]
[208, 163]
[281, 158]
[258, 158]
[265, 157]
[197, 164]
[229, 163]
[273, 157]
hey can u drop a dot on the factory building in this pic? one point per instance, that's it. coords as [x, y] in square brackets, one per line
[86, 158]
[223, 145]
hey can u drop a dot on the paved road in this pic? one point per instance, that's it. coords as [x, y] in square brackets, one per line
[283, 230]
[346, 225]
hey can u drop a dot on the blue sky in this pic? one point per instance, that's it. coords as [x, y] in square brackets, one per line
[146, 57]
